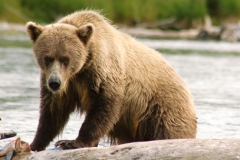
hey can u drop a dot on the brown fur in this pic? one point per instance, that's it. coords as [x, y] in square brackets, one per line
[127, 90]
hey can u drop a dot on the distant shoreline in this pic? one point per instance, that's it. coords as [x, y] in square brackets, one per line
[229, 33]
[4, 26]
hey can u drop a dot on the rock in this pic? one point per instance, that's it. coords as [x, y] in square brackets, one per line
[7, 134]
[196, 149]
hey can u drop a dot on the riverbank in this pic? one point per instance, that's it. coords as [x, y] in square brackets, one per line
[229, 33]
[4, 26]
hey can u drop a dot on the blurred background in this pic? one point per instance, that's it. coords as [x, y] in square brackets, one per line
[200, 39]
[129, 12]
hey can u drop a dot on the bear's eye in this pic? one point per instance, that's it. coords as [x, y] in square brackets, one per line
[48, 60]
[64, 60]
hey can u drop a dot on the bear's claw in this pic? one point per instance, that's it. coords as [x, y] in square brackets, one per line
[65, 144]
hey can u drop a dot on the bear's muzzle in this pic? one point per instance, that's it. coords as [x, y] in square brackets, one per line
[54, 83]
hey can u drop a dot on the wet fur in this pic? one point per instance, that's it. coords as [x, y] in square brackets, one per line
[128, 91]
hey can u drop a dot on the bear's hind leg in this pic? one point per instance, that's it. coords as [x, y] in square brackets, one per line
[152, 126]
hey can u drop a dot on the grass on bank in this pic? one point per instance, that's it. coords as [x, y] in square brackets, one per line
[12, 11]
[120, 11]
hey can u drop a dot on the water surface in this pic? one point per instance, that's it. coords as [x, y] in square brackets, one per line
[211, 70]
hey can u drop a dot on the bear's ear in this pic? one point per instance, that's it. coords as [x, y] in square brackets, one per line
[85, 32]
[34, 30]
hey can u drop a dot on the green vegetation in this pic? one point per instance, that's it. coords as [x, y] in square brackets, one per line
[222, 10]
[120, 11]
[12, 11]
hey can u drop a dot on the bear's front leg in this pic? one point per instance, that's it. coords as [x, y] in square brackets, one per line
[101, 117]
[46, 130]
[54, 114]
[50, 125]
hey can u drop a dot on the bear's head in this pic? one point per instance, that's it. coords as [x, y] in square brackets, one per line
[60, 51]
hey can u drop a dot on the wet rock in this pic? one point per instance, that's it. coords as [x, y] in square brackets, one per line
[7, 134]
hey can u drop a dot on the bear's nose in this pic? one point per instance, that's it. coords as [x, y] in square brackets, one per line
[54, 83]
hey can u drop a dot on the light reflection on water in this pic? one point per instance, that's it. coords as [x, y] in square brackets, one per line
[213, 80]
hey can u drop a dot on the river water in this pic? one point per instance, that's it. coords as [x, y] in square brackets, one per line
[211, 69]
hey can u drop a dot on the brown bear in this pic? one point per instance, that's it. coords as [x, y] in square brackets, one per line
[127, 91]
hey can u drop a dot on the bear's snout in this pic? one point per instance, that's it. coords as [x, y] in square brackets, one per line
[54, 83]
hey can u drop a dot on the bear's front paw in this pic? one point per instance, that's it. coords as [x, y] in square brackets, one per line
[36, 148]
[66, 144]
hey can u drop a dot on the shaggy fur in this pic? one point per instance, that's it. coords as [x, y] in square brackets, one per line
[128, 91]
